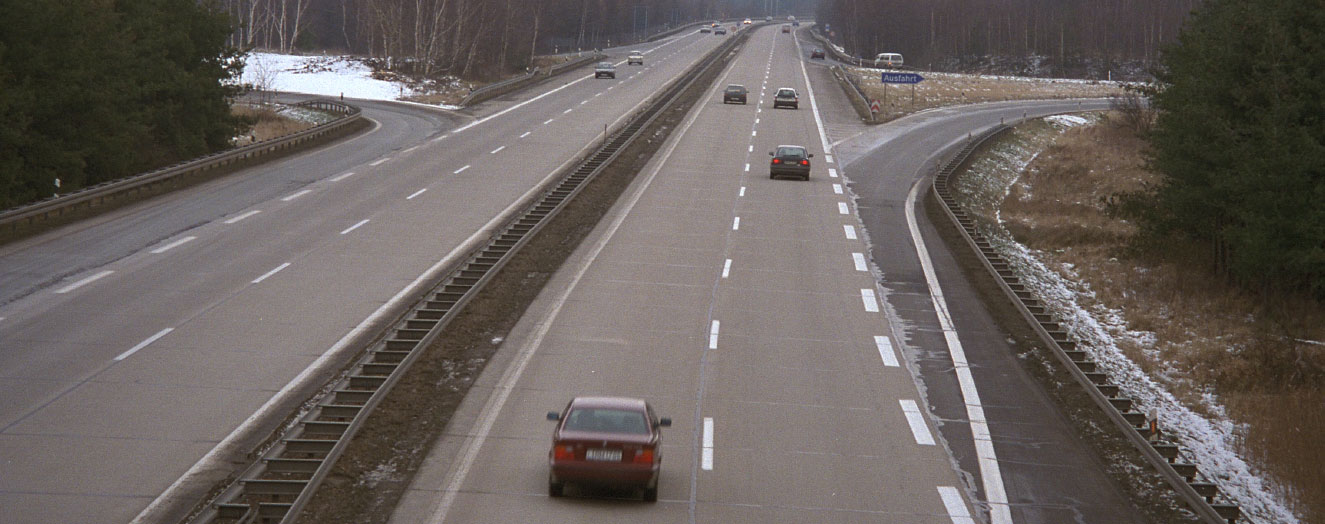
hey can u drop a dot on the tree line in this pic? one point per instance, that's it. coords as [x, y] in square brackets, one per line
[94, 90]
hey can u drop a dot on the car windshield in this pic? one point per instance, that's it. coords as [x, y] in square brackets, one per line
[604, 65]
[607, 421]
[794, 152]
[786, 92]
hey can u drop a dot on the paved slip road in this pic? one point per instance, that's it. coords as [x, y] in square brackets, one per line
[737, 306]
[140, 351]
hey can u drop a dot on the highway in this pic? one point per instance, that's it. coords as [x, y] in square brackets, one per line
[142, 351]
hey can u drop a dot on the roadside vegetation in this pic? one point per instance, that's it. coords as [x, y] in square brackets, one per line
[951, 89]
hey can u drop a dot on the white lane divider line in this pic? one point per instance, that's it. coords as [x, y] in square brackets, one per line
[461, 170]
[859, 259]
[355, 226]
[850, 232]
[706, 456]
[416, 193]
[84, 282]
[742, 191]
[144, 343]
[837, 188]
[754, 133]
[713, 335]
[727, 268]
[832, 172]
[952, 501]
[379, 162]
[829, 158]
[495, 151]
[548, 121]
[871, 303]
[268, 274]
[736, 224]
[843, 209]
[296, 195]
[756, 121]
[600, 93]
[243, 216]
[584, 102]
[342, 176]
[526, 133]
[916, 420]
[410, 149]
[886, 351]
[752, 149]
[173, 245]
[747, 168]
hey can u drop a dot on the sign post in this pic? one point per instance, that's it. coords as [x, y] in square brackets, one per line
[901, 78]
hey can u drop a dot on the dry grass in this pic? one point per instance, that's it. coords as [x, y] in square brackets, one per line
[1259, 354]
[266, 124]
[949, 89]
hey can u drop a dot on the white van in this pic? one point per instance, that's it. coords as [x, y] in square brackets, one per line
[888, 60]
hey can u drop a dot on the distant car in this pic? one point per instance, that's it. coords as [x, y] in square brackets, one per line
[817, 53]
[716, 23]
[734, 93]
[706, 29]
[720, 31]
[790, 161]
[786, 96]
[635, 57]
[795, 23]
[604, 70]
[786, 28]
[888, 60]
[746, 22]
[606, 441]
[768, 19]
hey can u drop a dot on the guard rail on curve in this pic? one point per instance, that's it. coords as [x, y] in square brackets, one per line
[491, 91]
[1199, 492]
[67, 207]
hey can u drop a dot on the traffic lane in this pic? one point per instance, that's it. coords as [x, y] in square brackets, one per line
[1049, 474]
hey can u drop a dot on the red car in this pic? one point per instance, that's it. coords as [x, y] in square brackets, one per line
[606, 441]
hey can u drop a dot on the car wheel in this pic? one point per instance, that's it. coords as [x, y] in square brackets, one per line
[806, 177]
[555, 489]
[771, 176]
[651, 494]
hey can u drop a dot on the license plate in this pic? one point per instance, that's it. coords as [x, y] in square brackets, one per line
[604, 455]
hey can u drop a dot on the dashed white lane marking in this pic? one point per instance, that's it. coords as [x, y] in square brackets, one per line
[243, 216]
[355, 226]
[952, 500]
[713, 335]
[842, 208]
[727, 268]
[144, 343]
[747, 168]
[756, 121]
[567, 111]
[752, 149]
[526, 133]
[173, 245]
[495, 151]
[916, 420]
[416, 193]
[598, 94]
[850, 232]
[379, 162]
[742, 191]
[754, 133]
[84, 282]
[342, 176]
[886, 350]
[859, 259]
[706, 457]
[829, 158]
[410, 149]
[837, 188]
[736, 223]
[296, 195]
[871, 303]
[458, 171]
[759, 110]
[548, 121]
[584, 102]
[832, 172]
[268, 274]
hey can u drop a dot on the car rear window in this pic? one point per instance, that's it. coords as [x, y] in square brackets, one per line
[786, 92]
[607, 420]
[791, 152]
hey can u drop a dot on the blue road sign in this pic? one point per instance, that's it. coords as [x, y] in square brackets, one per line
[902, 78]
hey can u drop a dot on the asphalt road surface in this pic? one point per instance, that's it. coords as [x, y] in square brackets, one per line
[140, 351]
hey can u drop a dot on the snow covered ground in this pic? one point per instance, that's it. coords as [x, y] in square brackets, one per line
[1209, 442]
[332, 76]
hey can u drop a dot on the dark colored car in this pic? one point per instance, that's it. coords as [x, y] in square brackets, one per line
[705, 29]
[786, 96]
[604, 69]
[817, 53]
[606, 441]
[796, 23]
[734, 93]
[790, 161]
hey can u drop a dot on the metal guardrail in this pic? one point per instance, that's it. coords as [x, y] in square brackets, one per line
[491, 91]
[67, 207]
[1199, 492]
[277, 487]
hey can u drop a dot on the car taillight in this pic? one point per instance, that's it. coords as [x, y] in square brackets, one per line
[805, 162]
[776, 161]
[644, 456]
[563, 452]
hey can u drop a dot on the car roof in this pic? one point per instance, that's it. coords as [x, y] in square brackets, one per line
[628, 403]
[792, 89]
[636, 52]
[789, 145]
[729, 86]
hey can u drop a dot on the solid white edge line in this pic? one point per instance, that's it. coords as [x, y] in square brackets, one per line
[268, 274]
[859, 260]
[83, 282]
[713, 335]
[296, 195]
[850, 231]
[814, 106]
[461, 170]
[173, 245]
[727, 268]
[416, 193]
[379, 162]
[952, 501]
[354, 227]
[916, 420]
[871, 303]
[243, 216]
[342, 176]
[991, 475]
[144, 344]
[885, 347]
[409, 149]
